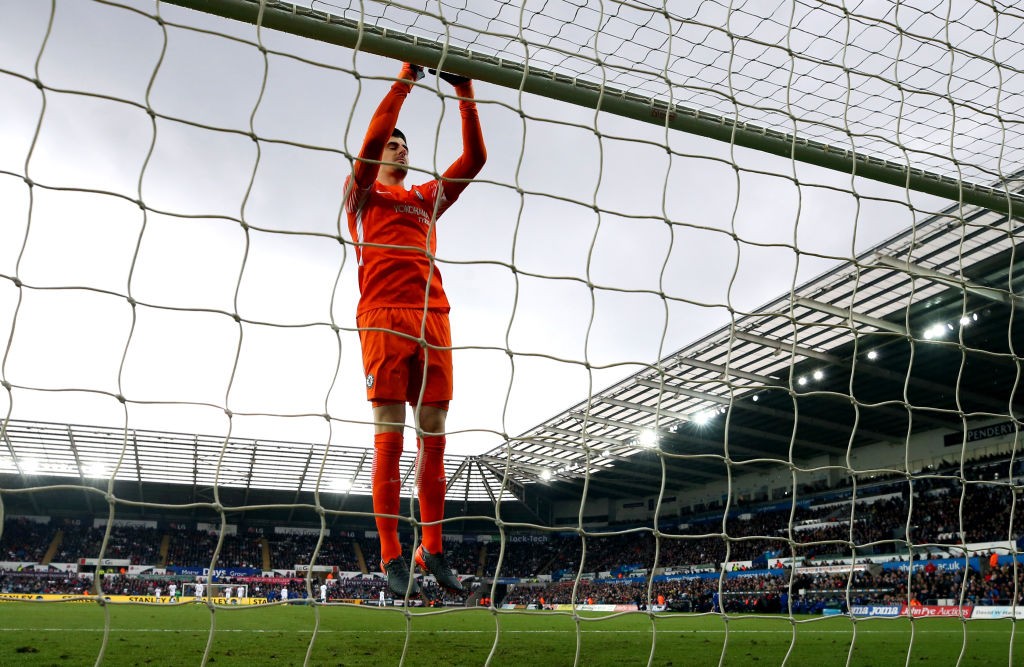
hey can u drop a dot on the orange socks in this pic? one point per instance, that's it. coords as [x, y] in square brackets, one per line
[432, 486]
[387, 487]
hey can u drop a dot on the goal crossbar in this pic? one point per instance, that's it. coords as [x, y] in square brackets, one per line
[326, 27]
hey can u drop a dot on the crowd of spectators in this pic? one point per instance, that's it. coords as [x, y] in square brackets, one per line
[290, 550]
[25, 540]
[940, 508]
[139, 545]
[196, 548]
[800, 593]
[946, 513]
[882, 520]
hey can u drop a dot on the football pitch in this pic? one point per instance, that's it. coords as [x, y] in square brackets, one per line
[80, 634]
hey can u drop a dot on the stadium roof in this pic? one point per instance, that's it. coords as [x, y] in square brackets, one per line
[747, 393]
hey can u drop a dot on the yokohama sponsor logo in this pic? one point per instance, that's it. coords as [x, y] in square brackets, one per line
[415, 211]
[939, 611]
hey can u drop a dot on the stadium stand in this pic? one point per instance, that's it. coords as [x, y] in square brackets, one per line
[894, 551]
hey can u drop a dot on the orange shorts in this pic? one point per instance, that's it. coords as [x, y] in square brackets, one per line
[396, 364]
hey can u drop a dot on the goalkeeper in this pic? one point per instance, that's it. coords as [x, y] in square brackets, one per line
[402, 305]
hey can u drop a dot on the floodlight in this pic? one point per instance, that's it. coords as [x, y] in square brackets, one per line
[647, 438]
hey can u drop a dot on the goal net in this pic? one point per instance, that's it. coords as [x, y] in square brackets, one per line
[734, 300]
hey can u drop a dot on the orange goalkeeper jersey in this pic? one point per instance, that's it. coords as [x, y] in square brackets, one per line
[391, 226]
[393, 235]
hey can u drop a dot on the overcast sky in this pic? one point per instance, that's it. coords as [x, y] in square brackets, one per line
[541, 285]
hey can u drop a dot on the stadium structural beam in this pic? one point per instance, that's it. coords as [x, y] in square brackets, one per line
[736, 429]
[850, 314]
[531, 470]
[582, 435]
[731, 371]
[703, 442]
[875, 371]
[918, 271]
[521, 454]
[195, 474]
[325, 27]
[298, 487]
[457, 475]
[651, 410]
[683, 391]
[774, 344]
[78, 465]
[5, 431]
[516, 489]
[355, 475]
[613, 423]
[487, 487]
[632, 472]
[248, 477]
[138, 470]
[749, 406]
[4, 425]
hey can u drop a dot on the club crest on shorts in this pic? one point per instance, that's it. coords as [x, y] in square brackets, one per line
[369, 381]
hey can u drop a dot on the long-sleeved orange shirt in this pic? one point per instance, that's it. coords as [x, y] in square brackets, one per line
[392, 226]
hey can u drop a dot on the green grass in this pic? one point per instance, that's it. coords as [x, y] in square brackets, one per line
[74, 634]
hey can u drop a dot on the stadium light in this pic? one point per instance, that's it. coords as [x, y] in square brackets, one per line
[702, 418]
[342, 485]
[95, 471]
[545, 475]
[872, 355]
[819, 374]
[30, 466]
[647, 438]
[801, 380]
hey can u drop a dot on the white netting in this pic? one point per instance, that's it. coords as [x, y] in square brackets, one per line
[177, 291]
[938, 84]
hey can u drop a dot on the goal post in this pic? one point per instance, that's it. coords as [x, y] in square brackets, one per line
[595, 95]
[215, 590]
